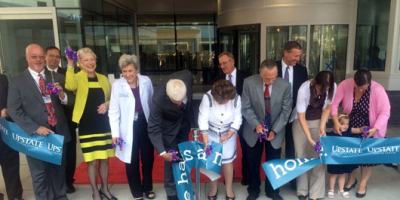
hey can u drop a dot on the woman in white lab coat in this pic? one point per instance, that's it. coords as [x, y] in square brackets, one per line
[219, 120]
[129, 112]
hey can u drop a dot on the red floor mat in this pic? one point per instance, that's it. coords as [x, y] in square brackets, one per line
[117, 170]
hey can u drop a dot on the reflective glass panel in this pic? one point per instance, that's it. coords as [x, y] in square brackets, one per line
[69, 24]
[157, 43]
[328, 50]
[371, 34]
[26, 3]
[67, 3]
[277, 36]
[15, 35]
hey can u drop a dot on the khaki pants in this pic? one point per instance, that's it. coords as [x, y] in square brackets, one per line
[311, 183]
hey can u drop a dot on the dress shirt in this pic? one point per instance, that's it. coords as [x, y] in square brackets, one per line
[234, 76]
[284, 66]
[35, 77]
[52, 70]
[270, 88]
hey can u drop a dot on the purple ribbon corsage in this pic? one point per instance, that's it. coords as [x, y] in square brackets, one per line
[264, 135]
[175, 156]
[120, 143]
[209, 150]
[52, 89]
[317, 147]
[365, 132]
[71, 54]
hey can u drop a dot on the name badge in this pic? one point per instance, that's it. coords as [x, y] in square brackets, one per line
[123, 95]
[135, 118]
[47, 99]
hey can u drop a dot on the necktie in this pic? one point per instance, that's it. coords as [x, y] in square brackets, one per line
[230, 78]
[267, 99]
[266, 91]
[51, 114]
[286, 75]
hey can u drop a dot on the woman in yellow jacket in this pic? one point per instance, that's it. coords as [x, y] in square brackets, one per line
[91, 105]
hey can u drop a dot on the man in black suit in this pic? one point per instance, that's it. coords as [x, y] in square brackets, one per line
[53, 57]
[290, 69]
[236, 77]
[37, 111]
[9, 159]
[169, 121]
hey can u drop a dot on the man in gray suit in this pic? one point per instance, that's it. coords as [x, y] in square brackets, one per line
[37, 111]
[264, 95]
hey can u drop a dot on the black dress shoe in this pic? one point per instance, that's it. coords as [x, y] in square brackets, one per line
[70, 189]
[346, 189]
[1, 196]
[302, 197]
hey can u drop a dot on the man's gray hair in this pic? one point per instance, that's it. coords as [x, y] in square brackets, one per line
[126, 60]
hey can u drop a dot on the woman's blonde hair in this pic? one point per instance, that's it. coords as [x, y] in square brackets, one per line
[85, 51]
[343, 117]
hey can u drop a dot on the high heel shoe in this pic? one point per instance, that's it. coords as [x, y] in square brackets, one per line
[103, 195]
[361, 195]
[346, 189]
[230, 198]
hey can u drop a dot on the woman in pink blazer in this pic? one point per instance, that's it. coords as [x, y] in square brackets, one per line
[367, 104]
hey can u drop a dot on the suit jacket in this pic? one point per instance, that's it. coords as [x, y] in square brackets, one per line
[3, 91]
[253, 108]
[168, 124]
[240, 76]
[300, 76]
[27, 108]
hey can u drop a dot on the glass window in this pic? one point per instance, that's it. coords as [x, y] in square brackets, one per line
[168, 43]
[25, 3]
[195, 45]
[69, 24]
[157, 43]
[108, 30]
[328, 50]
[372, 34]
[15, 35]
[67, 3]
[277, 36]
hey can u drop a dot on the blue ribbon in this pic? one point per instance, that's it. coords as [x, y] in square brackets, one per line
[46, 148]
[194, 156]
[335, 150]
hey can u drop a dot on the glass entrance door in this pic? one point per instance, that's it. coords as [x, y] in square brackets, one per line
[244, 43]
[18, 28]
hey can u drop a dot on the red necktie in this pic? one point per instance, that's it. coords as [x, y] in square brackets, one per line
[51, 114]
[266, 91]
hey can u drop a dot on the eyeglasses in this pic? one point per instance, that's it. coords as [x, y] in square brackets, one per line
[37, 57]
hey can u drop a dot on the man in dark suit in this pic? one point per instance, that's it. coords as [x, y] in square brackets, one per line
[53, 57]
[9, 159]
[291, 70]
[169, 121]
[264, 97]
[236, 77]
[37, 111]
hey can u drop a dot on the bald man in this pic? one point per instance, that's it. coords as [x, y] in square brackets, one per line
[37, 111]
